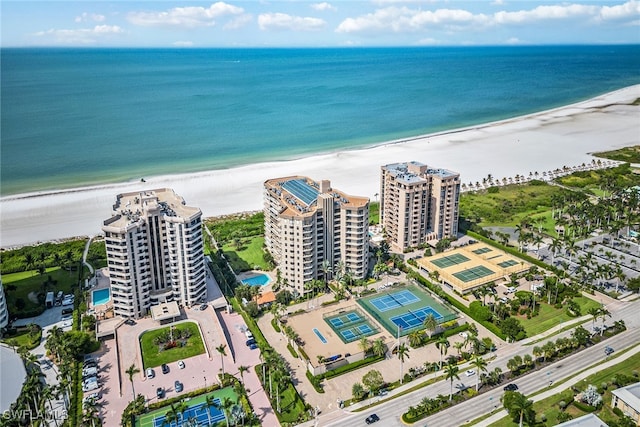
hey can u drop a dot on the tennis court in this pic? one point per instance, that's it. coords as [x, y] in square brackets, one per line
[414, 318]
[449, 260]
[404, 310]
[394, 300]
[473, 273]
[485, 264]
[197, 411]
[350, 325]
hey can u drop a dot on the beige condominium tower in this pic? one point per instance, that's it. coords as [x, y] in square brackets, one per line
[154, 252]
[310, 226]
[418, 203]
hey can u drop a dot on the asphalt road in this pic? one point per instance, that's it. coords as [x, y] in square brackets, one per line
[390, 411]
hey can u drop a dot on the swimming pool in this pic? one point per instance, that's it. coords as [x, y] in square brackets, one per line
[257, 280]
[101, 296]
[320, 336]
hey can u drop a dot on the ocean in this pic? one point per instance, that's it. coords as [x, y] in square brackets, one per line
[76, 117]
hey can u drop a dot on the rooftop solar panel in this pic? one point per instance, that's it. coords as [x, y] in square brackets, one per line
[301, 190]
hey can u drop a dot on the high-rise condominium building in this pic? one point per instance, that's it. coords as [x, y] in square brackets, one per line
[418, 203]
[4, 312]
[310, 226]
[154, 252]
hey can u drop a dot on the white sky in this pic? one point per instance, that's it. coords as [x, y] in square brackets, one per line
[317, 24]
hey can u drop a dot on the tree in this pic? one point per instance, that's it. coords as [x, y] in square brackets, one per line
[415, 338]
[430, 323]
[221, 349]
[442, 344]
[131, 371]
[451, 374]
[241, 370]
[512, 328]
[373, 381]
[518, 406]
[481, 366]
[603, 313]
[403, 351]
[378, 347]
[210, 402]
[364, 344]
[357, 391]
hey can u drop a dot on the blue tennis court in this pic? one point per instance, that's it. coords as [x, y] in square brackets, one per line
[356, 332]
[350, 325]
[346, 319]
[198, 412]
[414, 318]
[394, 300]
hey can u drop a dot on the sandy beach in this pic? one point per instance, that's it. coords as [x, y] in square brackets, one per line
[537, 142]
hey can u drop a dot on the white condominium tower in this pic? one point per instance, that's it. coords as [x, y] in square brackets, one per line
[154, 252]
[308, 224]
[418, 203]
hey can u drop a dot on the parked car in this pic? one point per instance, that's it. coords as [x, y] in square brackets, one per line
[130, 322]
[253, 346]
[178, 386]
[510, 387]
[372, 419]
[89, 386]
[249, 342]
[92, 396]
[90, 371]
[165, 368]
[67, 311]
[150, 373]
[180, 364]
[203, 307]
[160, 392]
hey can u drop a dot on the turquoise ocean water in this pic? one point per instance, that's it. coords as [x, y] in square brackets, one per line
[74, 117]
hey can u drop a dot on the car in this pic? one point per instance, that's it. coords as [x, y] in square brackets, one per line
[203, 307]
[383, 392]
[67, 311]
[510, 387]
[94, 396]
[90, 386]
[248, 334]
[178, 386]
[503, 300]
[372, 419]
[150, 373]
[130, 322]
[66, 317]
[253, 346]
[165, 368]
[608, 350]
[180, 364]
[90, 371]
[464, 335]
[160, 392]
[249, 342]
[470, 372]
[90, 364]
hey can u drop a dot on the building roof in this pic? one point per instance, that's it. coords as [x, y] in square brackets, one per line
[630, 395]
[589, 420]
[266, 298]
[165, 311]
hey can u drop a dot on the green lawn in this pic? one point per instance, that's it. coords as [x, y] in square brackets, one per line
[249, 255]
[31, 281]
[151, 357]
[147, 420]
[24, 339]
[550, 316]
[549, 406]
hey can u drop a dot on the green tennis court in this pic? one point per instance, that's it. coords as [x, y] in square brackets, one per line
[406, 317]
[350, 325]
[197, 411]
[473, 273]
[449, 260]
[482, 250]
[507, 263]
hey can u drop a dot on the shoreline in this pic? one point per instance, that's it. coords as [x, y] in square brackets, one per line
[539, 141]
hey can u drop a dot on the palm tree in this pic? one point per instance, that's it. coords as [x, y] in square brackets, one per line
[415, 338]
[221, 350]
[451, 372]
[378, 347]
[519, 403]
[403, 351]
[241, 370]
[481, 366]
[603, 313]
[595, 312]
[442, 344]
[430, 323]
[364, 344]
[131, 371]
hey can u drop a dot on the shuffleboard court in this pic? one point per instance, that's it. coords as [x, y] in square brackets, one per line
[482, 250]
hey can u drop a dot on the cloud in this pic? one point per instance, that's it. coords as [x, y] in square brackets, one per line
[404, 19]
[185, 43]
[189, 17]
[630, 9]
[545, 13]
[497, 3]
[513, 41]
[324, 6]
[282, 21]
[83, 36]
[238, 22]
[90, 17]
